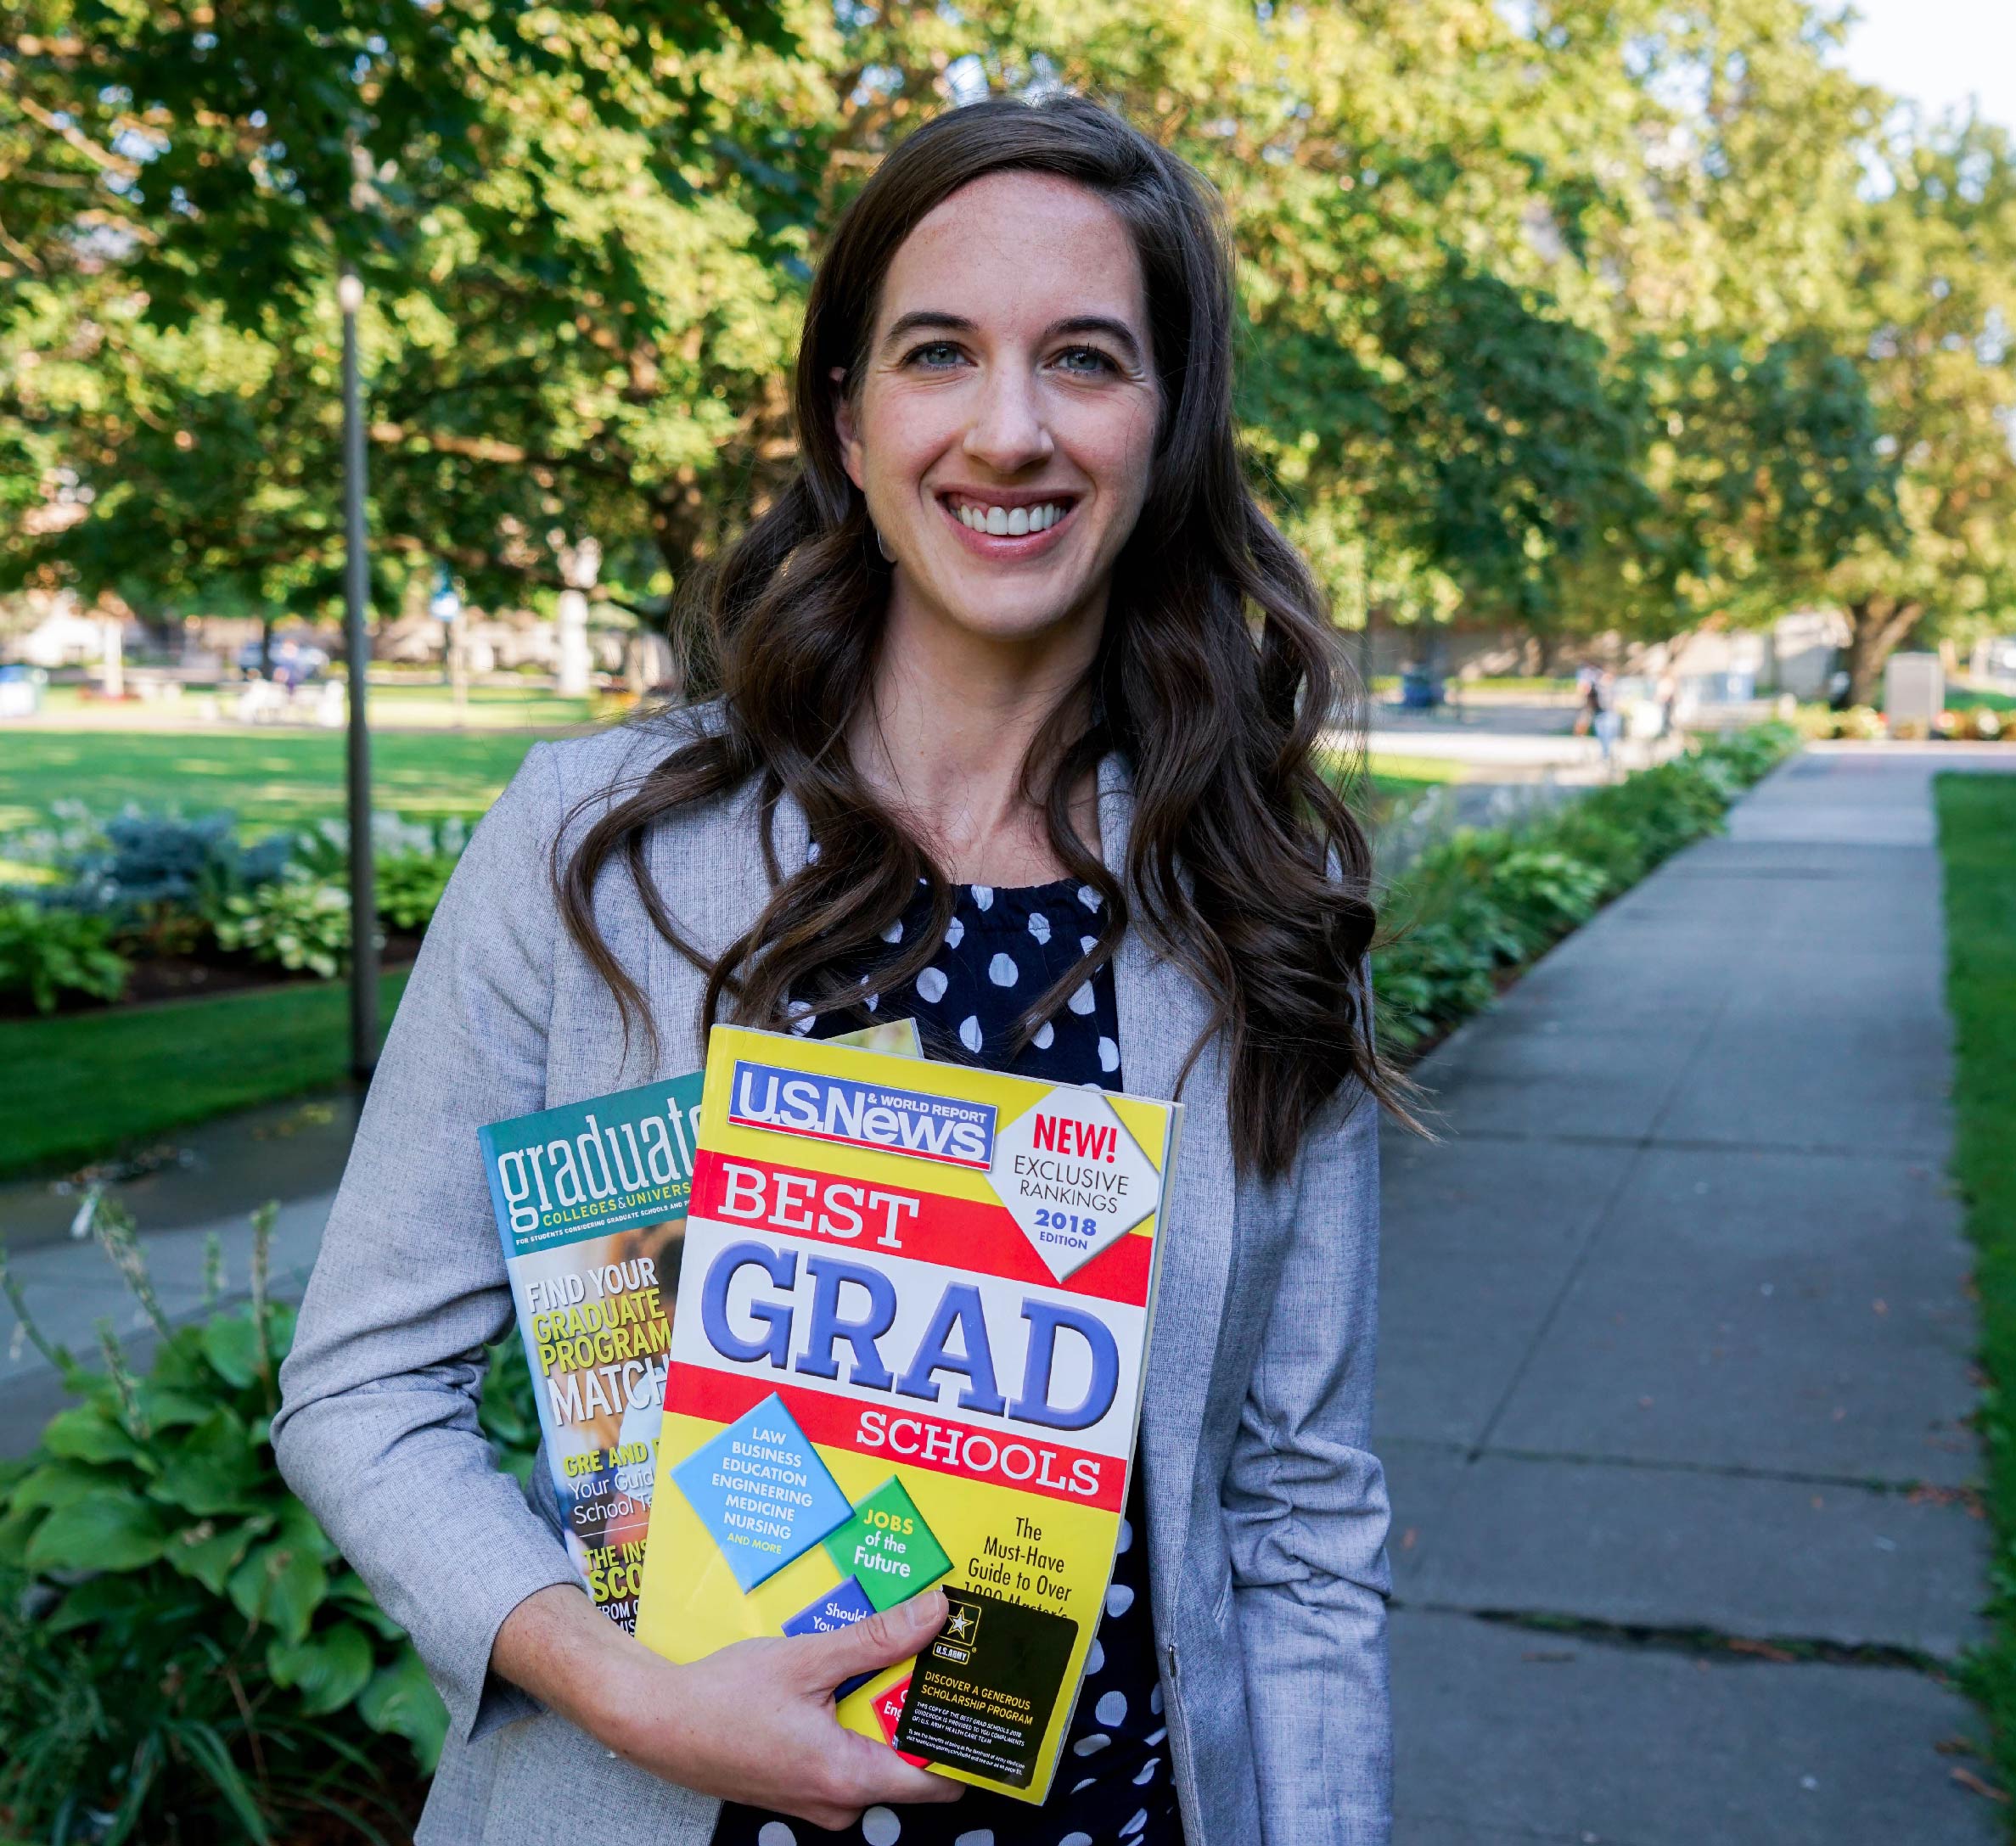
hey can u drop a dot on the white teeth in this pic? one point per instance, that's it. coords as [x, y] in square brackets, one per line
[1011, 522]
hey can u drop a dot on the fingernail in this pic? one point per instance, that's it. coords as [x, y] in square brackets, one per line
[926, 1612]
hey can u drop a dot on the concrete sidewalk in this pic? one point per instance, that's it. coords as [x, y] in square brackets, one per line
[71, 1285]
[1675, 1338]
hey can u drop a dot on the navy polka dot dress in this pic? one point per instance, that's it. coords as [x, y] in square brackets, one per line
[1112, 1783]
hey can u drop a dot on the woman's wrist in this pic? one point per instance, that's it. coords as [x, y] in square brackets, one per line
[555, 1645]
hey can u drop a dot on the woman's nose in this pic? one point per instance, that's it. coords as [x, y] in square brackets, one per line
[1007, 432]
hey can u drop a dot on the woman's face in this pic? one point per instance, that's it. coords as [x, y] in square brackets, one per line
[1004, 425]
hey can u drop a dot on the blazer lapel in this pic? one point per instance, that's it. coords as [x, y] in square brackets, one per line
[1161, 1015]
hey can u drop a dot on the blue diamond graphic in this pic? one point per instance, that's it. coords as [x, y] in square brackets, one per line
[761, 1491]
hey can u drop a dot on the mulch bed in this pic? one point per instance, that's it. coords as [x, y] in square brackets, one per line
[157, 978]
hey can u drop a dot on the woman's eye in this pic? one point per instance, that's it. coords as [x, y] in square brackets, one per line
[937, 354]
[1086, 359]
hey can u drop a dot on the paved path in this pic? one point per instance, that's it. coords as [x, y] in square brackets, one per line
[1674, 1347]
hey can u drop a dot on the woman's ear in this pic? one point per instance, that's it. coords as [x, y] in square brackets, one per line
[845, 428]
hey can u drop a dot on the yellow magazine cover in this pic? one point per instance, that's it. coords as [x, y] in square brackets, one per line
[908, 1348]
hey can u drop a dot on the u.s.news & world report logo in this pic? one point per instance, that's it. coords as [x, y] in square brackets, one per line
[862, 1114]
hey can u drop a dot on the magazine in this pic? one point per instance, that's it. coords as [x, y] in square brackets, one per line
[590, 1203]
[908, 1350]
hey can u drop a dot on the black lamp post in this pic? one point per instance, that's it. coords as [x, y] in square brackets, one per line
[363, 910]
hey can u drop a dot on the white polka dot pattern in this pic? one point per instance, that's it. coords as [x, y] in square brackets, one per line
[880, 1827]
[930, 984]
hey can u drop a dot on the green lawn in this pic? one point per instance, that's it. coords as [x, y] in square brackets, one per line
[276, 778]
[1977, 832]
[74, 1088]
[268, 778]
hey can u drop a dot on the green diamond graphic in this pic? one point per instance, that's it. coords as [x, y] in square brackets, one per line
[887, 1548]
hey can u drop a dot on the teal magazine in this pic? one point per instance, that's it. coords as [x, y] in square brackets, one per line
[591, 1202]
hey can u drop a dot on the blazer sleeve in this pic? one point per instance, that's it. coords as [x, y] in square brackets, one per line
[377, 1431]
[1306, 1511]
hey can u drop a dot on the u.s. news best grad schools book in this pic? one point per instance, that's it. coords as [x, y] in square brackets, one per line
[908, 1349]
[591, 1203]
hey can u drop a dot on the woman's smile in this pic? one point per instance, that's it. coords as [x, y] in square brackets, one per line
[1010, 525]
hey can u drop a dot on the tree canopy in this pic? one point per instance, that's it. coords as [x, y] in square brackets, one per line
[1586, 314]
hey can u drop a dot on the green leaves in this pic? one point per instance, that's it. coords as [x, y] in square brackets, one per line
[400, 1699]
[199, 1663]
[101, 1529]
[48, 952]
[329, 1670]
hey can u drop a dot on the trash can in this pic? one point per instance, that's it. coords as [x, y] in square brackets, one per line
[20, 691]
[1419, 689]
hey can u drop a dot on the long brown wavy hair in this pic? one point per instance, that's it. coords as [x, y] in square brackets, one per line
[1219, 679]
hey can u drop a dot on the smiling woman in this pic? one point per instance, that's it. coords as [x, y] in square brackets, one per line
[1007, 719]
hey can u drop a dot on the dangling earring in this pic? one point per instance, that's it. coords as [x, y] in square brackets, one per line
[882, 546]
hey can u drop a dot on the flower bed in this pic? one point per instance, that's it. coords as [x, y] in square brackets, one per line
[139, 906]
[1477, 908]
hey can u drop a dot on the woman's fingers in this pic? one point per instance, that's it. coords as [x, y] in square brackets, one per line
[877, 1774]
[876, 1641]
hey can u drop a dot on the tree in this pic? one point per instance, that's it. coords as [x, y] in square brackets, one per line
[1934, 299]
[536, 200]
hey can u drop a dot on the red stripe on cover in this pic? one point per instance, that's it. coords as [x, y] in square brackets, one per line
[960, 1233]
[1032, 1466]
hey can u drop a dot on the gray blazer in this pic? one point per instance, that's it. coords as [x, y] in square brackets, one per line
[1266, 1516]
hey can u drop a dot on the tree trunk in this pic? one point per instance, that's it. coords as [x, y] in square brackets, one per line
[1876, 626]
[581, 565]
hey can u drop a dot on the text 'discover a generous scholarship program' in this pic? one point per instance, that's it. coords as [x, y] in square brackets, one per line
[908, 1349]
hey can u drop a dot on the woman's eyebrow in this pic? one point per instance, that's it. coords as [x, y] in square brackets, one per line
[918, 320]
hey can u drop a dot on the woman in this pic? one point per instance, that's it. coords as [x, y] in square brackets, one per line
[1016, 643]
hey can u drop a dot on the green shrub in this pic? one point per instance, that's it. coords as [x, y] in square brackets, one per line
[411, 863]
[183, 1657]
[157, 878]
[300, 921]
[408, 889]
[45, 953]
[1487, 900]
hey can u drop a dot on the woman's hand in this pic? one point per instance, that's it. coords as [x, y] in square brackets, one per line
[752, 1723]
